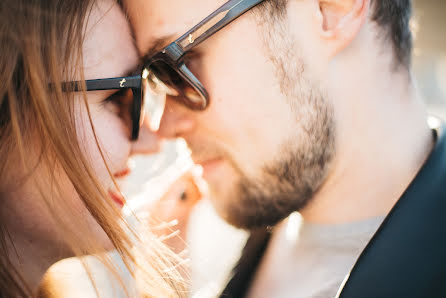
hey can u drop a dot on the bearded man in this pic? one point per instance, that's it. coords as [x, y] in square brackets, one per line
[308, 106]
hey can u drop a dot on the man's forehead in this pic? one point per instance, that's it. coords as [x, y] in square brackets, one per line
[158, 22]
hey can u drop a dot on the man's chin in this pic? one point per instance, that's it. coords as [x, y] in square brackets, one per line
[244, 215]
[245, 203]
[223, 204]
[249, 207]
[248, 220]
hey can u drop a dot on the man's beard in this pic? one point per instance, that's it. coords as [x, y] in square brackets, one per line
[287, 183]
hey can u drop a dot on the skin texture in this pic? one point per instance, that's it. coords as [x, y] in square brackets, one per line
[306, 111]
[108, 52]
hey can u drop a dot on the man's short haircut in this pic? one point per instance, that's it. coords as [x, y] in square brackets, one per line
[393, 16]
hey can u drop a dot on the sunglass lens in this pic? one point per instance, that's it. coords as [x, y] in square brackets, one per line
[153, 102]
[136, 113]
[174, 84]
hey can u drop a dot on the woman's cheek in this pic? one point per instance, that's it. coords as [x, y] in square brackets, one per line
[112, 135]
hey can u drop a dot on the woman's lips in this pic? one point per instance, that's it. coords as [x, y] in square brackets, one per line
[114, 195]
[117, 198]
[122, 173]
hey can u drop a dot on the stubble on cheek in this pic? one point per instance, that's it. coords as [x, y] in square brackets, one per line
[291, 180]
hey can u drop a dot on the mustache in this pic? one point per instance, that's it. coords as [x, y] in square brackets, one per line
[206, 149]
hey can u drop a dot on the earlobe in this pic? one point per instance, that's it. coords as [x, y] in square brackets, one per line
[342, 20]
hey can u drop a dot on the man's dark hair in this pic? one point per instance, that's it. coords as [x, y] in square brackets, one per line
[393, 16]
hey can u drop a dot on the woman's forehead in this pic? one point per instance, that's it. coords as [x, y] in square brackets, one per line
[109, 49]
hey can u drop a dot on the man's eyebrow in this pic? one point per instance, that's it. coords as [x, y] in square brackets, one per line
[157, 45]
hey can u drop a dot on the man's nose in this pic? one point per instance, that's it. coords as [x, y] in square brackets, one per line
[148, 141]
[176, 120]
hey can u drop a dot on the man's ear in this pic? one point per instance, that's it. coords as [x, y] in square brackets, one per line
[341, 21]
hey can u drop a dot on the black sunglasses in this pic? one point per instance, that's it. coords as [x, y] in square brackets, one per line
[165, 72]
[147, 100]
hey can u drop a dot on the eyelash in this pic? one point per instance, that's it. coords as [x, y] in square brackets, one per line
[191, 55]
[114, 98]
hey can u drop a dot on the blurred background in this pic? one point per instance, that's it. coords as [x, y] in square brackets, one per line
[429, 62]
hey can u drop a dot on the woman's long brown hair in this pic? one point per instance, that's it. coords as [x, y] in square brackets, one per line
[40, 42]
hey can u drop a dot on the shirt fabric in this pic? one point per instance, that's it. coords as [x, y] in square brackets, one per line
[310, 260]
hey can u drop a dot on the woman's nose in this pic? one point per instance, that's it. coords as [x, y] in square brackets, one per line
[148, 141]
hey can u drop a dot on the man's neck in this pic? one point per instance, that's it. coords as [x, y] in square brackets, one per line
[385, 143]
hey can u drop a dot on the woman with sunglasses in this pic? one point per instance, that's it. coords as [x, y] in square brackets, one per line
[65, 149]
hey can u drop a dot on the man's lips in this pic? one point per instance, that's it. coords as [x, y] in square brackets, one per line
[209, 164]
[204, 162]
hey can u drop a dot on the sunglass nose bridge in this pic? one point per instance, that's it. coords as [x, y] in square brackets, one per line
[174, 52]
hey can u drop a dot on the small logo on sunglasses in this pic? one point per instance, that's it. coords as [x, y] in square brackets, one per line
[191, 38]
[121, 83]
